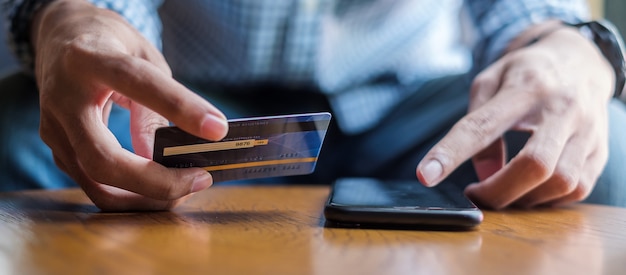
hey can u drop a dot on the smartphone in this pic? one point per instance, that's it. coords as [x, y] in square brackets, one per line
[369, 202]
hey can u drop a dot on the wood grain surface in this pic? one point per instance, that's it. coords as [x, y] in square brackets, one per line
[281, 230]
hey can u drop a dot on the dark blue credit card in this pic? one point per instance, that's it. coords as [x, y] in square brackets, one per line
[257, 147]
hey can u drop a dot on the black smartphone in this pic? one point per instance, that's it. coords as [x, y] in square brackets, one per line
[368, 202]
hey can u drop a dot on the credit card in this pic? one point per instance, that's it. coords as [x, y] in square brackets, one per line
[259, 147]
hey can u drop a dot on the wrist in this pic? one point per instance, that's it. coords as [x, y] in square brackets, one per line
[602, 35]
[610, 43]
[21, 21]
[54, 15]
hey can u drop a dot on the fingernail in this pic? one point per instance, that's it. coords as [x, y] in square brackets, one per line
[201, 182]
[214, 127]
[431, 172]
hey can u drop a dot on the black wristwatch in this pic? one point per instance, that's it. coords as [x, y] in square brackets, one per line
[610, 42]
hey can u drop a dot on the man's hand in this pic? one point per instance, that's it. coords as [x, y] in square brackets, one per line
[557, 89]
[86, 60]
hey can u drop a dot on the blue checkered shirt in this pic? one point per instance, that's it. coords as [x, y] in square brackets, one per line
[366, 55]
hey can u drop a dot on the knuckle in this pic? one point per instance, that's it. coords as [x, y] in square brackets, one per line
[101, 195]
[171, 192]
[478, 127]
[77, 50]
[165, 189]
[482, 82]
[481, 90]
[537, 83]
[122, 66]
[98, 164]
[580, 192]
[555, 95]
[564, 182]
[106, 202]
[538, 169]
[532, 76]
[562, 103]
[151, 123]
[168, 192]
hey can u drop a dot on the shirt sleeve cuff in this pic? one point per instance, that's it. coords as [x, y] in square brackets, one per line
[497, 31]
[141, 14]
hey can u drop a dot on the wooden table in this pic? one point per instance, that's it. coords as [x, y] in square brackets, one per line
[280, 230]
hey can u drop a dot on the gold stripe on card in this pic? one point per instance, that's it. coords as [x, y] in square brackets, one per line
[258, 163]
[212, 146]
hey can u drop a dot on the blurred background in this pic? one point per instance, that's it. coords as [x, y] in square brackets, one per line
[7, 62]
[613, 10]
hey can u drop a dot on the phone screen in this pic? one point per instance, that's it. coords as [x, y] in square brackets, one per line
[376, 193]
[372, 201]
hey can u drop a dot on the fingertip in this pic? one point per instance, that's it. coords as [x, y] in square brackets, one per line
[430, 172]
[470, 191]
[214, 127]
[420, 178]
[201, 182]
[473, 193]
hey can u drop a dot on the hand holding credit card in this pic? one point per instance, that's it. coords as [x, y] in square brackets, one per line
[258, 147]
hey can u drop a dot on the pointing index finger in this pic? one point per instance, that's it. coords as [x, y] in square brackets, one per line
[145, 83]
[473, 133]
